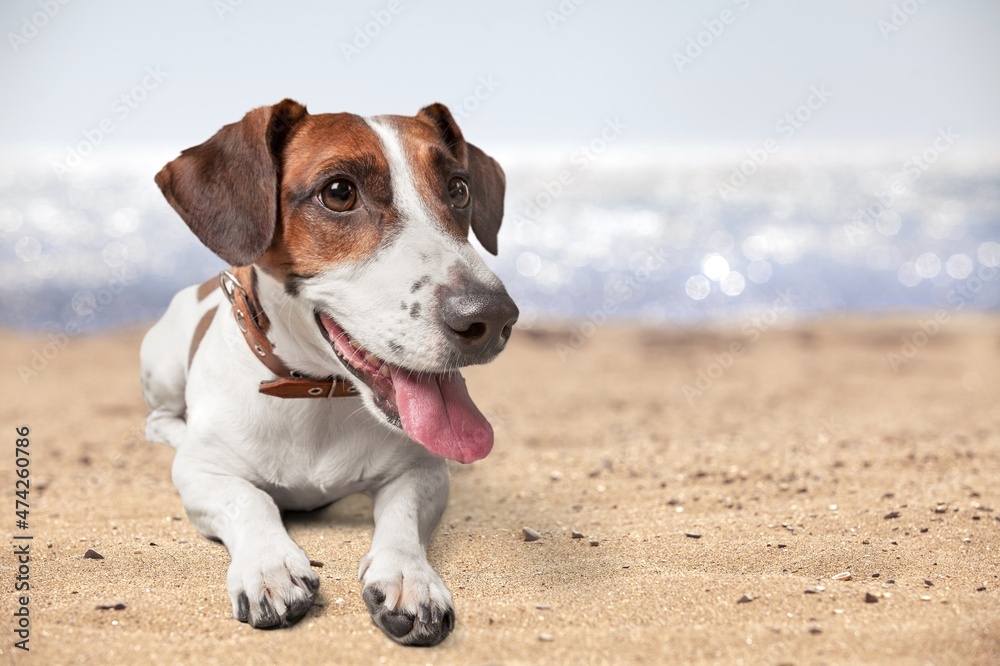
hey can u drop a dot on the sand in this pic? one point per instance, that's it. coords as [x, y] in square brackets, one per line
[713, 525]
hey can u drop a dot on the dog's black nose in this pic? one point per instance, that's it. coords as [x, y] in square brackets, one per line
[479, 321]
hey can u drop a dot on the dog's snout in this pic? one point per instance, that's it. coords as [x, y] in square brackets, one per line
[479, 321]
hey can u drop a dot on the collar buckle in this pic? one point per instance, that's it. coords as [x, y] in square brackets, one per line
[230, 285]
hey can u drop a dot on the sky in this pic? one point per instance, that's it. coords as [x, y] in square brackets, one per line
[514, 73]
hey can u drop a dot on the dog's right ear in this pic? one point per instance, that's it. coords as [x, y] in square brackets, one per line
[226, 189]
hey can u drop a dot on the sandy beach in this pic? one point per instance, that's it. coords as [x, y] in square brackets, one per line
[719, 491]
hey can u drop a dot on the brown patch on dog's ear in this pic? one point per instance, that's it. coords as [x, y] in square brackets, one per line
[440, 118]
[488, 181]
[226, 189]
[488, 185]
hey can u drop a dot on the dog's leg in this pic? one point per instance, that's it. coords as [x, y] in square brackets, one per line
[163, 380]
[407, 599]
[164, 359]
[270, 580]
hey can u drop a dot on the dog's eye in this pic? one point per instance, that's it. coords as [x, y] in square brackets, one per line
[458, 191]
[339, 195]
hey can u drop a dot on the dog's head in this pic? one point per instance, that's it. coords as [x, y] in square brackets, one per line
[365, 223]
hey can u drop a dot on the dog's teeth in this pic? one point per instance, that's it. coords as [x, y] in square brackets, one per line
[384, 370]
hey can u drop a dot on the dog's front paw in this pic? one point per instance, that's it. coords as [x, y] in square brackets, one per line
[406, 598]
[271, 586]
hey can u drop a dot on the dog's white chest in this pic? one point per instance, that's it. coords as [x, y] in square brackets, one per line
[307, 453]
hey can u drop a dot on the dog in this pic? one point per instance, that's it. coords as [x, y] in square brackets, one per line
[326, 361]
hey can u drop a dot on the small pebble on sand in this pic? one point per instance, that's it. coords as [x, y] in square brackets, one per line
[870, 598]
[545, 638]
[92, 554]
[111, 606]
[530, 534]
[844, 575]
[576, 535]
[745, 599]
[692, 535]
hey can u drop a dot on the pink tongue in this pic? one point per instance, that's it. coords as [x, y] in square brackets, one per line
[436, 411]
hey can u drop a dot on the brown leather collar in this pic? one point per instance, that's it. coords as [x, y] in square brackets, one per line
[253, 323]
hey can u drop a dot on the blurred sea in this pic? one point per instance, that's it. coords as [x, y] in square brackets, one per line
[637, 236]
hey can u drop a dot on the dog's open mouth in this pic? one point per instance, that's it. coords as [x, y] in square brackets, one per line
[434, 410]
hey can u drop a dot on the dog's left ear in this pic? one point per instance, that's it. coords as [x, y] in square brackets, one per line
[487, 179]
[226, 189]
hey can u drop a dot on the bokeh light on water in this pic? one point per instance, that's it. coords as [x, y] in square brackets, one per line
[635, 239]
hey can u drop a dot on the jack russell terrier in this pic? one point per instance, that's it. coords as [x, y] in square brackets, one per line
[328, 361]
